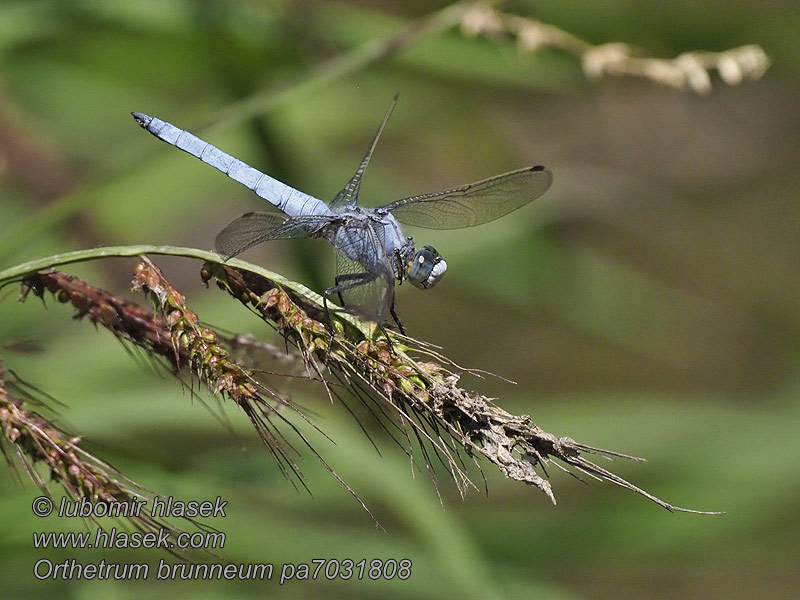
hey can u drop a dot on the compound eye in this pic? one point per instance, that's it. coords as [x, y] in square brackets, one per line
[426, 269]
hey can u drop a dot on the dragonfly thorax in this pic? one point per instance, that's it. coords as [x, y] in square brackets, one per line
[426, 268]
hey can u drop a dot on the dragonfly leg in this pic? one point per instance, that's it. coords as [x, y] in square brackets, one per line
[360, 279]
[347, 281]
[342, 283]
[396, 319]
[329, 325]
[398, 266]
[388, 340]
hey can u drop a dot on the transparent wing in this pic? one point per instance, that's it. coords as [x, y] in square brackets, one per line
[364, 276]
[349, 194]
[256, 227]
[474, 203]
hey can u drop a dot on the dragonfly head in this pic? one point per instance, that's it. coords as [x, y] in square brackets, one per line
[426, 268]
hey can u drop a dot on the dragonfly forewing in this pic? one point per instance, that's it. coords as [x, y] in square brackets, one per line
[472, 204]
[348, 196]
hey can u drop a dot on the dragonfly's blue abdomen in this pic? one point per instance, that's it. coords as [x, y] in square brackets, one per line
[291, 201]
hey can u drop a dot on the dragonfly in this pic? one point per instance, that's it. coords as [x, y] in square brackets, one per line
[373, 253]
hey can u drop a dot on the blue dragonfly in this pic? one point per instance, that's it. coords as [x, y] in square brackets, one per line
[372, 251]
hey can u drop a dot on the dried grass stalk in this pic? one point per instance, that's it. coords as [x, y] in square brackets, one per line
[423, 395]
[404, 383]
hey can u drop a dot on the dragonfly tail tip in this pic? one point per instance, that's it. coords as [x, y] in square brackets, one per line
[141, 118]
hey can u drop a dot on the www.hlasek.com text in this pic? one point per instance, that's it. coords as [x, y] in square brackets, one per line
[163, 538]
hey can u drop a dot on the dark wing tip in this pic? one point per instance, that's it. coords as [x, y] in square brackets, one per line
[544, 170]
[541, 169]
[142, 119]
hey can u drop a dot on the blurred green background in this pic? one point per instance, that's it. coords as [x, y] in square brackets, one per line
[648, 303]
